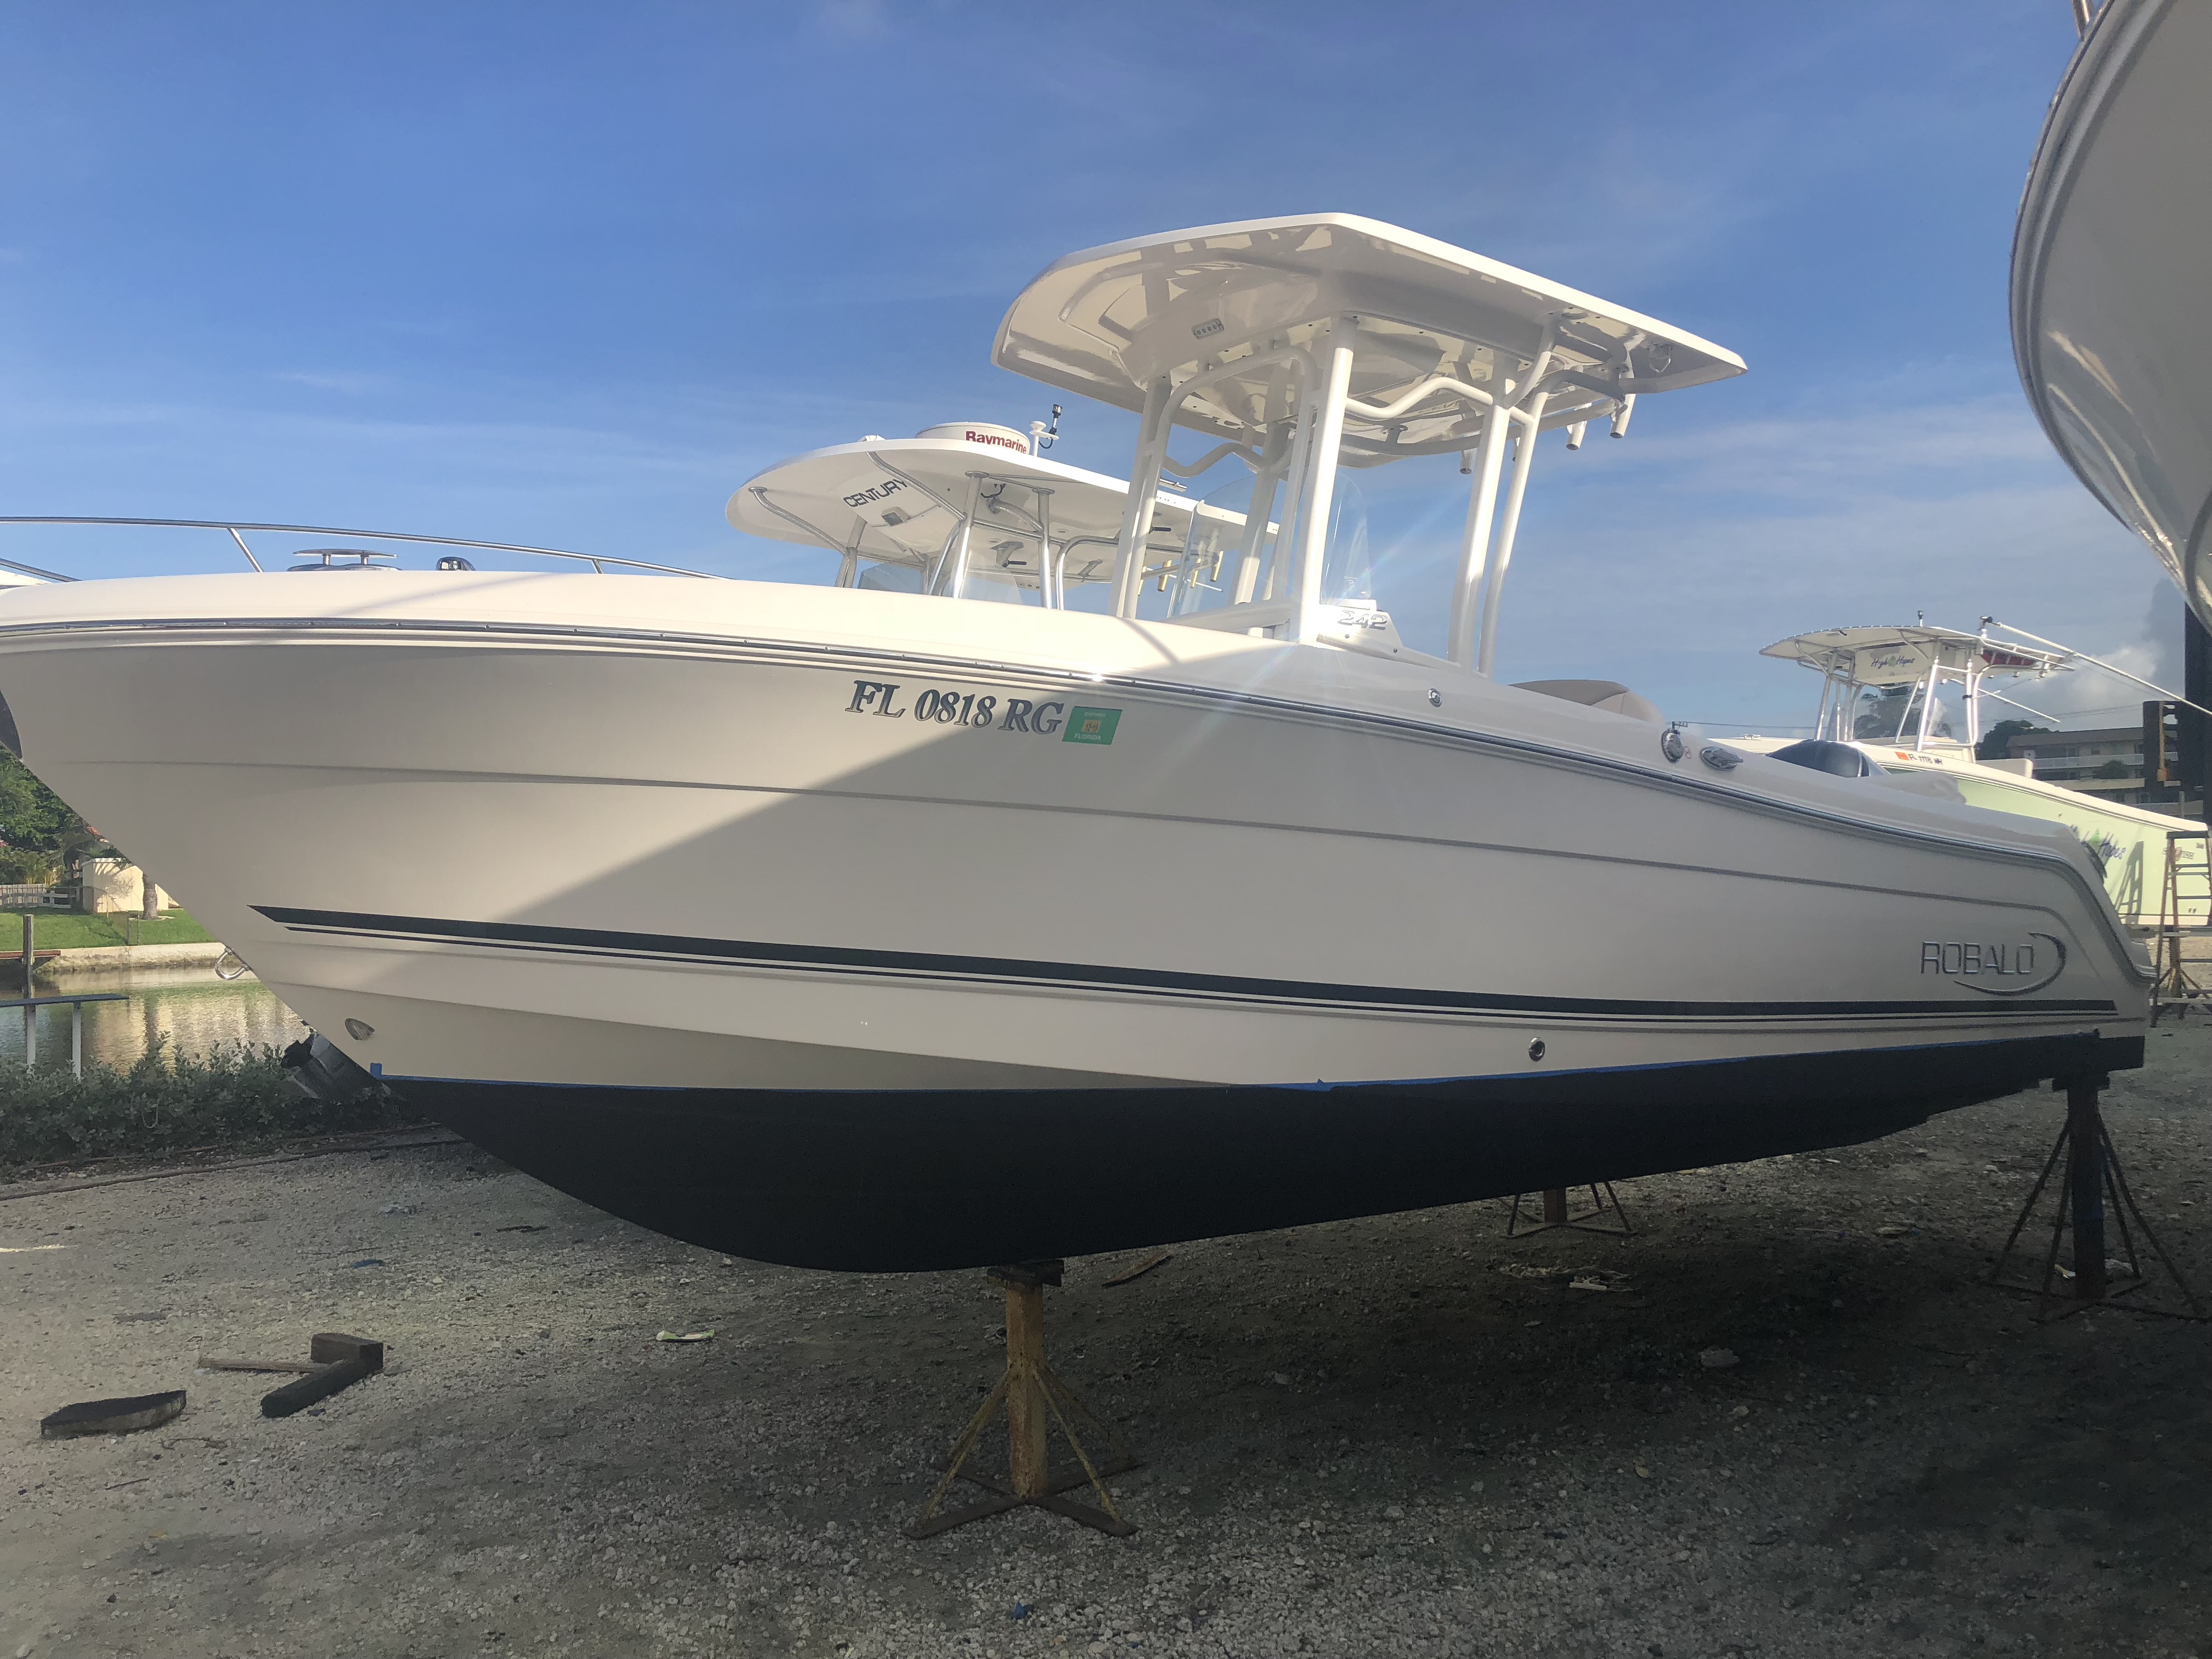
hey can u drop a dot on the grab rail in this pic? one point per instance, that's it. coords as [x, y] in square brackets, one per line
[598, 561]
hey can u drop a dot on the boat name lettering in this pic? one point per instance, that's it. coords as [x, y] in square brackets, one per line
[882, 492]
[1953, 957]
[986, 712]
[2017, 969]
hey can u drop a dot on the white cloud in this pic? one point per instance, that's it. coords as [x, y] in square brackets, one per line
[1668, 560]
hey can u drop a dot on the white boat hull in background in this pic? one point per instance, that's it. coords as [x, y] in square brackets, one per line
[2111, 263]
[2131, 843]
[655, 889]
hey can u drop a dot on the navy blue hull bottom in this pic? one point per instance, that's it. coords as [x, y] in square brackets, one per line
[904, 1180]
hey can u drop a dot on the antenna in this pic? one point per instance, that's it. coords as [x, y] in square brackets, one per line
[1042, 435]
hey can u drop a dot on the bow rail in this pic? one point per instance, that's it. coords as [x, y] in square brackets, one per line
[598, 561]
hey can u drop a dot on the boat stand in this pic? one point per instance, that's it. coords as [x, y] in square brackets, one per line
[1557, 1212]
[1033, 1398]
[2095, 1190]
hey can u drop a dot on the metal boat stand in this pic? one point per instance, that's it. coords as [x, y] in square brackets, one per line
[2093, 1190]
[1557, 1213]
[1033, 1398]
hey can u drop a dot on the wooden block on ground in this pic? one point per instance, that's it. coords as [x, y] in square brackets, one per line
[143, 1411]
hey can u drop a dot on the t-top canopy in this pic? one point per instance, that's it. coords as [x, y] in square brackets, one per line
[904, 500]
[1905, 656]
[1111, 321]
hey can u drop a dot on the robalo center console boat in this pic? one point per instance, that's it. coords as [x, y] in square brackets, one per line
[867, 928]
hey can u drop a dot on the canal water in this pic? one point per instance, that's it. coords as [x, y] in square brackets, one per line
[188, 1009]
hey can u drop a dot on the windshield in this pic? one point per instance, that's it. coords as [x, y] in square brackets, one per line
[1891, 714]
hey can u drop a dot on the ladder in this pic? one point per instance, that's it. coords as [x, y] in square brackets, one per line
[2185, 909]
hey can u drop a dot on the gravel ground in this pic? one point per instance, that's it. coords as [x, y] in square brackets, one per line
[1361, 1439]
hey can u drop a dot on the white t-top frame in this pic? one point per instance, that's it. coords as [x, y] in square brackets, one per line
[1312, 343]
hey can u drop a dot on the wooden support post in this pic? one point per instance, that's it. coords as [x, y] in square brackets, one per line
[1027, 1414]
[30, 958]
[1034, 1401]
[2084, 1178]
[1559, 1213]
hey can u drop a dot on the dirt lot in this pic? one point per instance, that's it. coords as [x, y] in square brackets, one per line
[1359, 1440]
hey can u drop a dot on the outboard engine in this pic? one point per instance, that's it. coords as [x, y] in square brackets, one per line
[320, 1070]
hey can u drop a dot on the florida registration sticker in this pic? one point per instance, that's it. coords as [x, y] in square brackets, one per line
[1091, 725]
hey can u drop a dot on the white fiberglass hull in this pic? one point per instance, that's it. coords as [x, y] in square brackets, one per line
[656, 888]
[2110, 265]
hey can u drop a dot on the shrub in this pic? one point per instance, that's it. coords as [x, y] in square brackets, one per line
[28, 866]
[166, 1103]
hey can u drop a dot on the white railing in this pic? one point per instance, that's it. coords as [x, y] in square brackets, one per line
[30, 1005]
[598, 561]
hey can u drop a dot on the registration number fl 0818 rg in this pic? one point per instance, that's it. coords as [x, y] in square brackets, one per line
[986, 711]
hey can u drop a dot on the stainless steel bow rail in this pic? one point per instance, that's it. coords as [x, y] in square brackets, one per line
[598, 561]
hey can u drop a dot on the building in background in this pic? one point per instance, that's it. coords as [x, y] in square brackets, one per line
[113, 885]
[2108, 762]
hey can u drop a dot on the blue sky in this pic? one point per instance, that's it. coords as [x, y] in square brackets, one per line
[567, 274]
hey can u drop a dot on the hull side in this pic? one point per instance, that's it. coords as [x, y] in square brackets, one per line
[614, 878]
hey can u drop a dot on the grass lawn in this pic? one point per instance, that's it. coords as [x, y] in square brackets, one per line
[60, 930]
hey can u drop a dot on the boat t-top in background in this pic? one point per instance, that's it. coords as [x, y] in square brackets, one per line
[1882, 693]
[965, 510]
[858, 928]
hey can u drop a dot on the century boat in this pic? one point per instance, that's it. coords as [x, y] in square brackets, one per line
[866, 928]
[1883, 693]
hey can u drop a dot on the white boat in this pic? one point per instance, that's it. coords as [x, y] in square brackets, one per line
[967, 511]
[870, 929]
[1881, 694]
[2111, 260]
